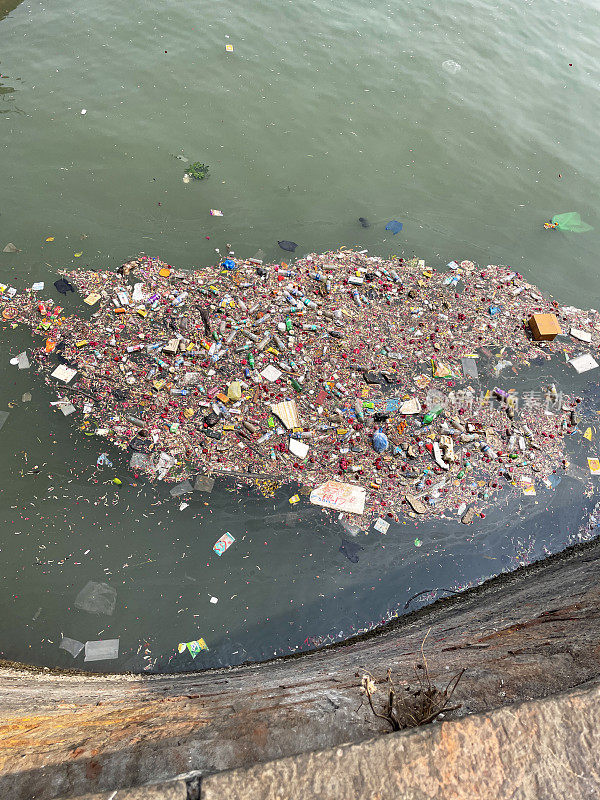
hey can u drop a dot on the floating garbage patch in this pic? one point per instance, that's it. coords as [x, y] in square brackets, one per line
[353, 376]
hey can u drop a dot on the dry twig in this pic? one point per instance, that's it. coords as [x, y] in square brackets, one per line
[419, 706]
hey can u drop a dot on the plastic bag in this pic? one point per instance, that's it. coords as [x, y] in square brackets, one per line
[572, 222]
[97, 598]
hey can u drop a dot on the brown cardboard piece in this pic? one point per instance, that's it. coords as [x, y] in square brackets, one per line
[544, 327]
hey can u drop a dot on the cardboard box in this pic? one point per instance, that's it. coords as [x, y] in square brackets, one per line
[544, 327]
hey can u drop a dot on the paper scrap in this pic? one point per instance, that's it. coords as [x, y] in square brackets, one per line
[63, 373]
[584, 363]
[583, 336]
[298, 448]
[381, 525]
[340, 496]
[271, 373]
[594, 465]
[412, 406]
[287, 411]
[223, 543]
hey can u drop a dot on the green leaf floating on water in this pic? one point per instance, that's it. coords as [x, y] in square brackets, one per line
[571, 221]
[197, 171]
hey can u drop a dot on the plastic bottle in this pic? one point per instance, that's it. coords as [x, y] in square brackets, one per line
[431, 415]
[295, 384]
[288, 324]
[280, 344]
[264, 342]
[180, 299]
[457, 424]
[358, 408]
[356, 297]
[251, 360]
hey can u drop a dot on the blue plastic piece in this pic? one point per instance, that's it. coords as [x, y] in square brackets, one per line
[394, 226]
[380, 441]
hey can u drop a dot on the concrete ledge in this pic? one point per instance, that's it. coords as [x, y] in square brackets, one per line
[171, 790]
[541, 749]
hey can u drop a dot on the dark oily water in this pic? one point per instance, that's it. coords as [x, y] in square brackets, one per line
[320, 116]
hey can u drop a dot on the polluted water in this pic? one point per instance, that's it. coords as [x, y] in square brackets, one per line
[477, 450]
[371, 398]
